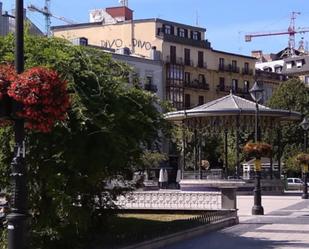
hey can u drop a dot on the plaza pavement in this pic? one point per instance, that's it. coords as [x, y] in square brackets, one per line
[284, 225]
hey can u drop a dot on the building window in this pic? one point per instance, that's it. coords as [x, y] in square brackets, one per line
[200, 100]
[246, 68]
[200, 59]
[167, 29]
[278, 69]
[187, 57]
[174, 72]
[234, 85]
[173, 54]
[234, 65]
[221, 63]
[201, 78]
[221, 83]
[181, 32]
[196, 35]
[299, 63]
[246, 86]
[187, 77]
[187, 100]
[149, 79]
[307, 80]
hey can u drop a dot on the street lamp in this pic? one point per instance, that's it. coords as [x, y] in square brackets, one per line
[305, 125]
[256, 93]
[17, 217]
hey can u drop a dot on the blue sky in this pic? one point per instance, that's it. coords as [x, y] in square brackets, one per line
[226, 21]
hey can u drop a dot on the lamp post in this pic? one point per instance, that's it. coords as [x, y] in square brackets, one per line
[256, 93]
[18, 215]
[305, 125]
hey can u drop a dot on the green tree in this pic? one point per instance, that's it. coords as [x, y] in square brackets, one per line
[292, 95]
[108, 127]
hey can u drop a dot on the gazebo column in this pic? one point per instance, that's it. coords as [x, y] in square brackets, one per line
[195, 151]
[279, 137]
[237, 148]
[200, 154]
[225, 152]
[183, 154]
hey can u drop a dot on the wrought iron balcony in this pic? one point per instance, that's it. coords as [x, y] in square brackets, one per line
[197, 85]
[202, 64]
[247, 71]
[260, 74]
[223, 88]
[228, 68]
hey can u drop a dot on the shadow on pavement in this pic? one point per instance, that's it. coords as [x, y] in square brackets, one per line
[227, 240]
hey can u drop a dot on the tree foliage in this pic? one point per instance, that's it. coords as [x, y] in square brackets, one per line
[291, 95]
[107, 128]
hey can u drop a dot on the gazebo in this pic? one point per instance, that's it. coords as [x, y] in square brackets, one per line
[230, 113]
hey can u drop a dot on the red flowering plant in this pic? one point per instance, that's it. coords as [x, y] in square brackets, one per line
[7, 75]
[43, 95]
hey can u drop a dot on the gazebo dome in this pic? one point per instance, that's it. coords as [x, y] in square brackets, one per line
[232, 105]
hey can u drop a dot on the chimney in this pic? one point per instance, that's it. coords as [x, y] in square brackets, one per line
[122, 13]
[258, 54]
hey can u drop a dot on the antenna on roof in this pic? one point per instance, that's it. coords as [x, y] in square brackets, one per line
[196, 21]
[124, 2]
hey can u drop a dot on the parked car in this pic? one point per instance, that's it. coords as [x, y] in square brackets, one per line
[294, 184]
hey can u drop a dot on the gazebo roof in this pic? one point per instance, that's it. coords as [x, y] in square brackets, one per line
[232, 105]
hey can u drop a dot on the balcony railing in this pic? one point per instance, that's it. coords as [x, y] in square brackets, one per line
[151, 87]
[202, 64]
[247, 71]
[223, 88]
[197, 85]
[228, 68]
[189, 63]
[185, 41]
[177, 60]
[260, 74]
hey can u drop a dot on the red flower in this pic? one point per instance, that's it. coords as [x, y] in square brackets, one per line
[7, 75]
[43, 95]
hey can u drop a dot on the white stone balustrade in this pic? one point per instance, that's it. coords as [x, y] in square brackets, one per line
[170, 200]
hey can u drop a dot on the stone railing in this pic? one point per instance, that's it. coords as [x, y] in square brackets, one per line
[171, 200]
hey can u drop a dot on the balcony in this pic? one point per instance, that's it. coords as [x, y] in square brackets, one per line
[189, 63]
[185, 41]
[247, 71]
[202, 64]
[228, 68]
[151, 87]
[264, 75]
[177, 60]
[197, 85]
[223, 88]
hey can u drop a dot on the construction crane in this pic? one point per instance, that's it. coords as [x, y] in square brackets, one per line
[291, 31]
[46, 12]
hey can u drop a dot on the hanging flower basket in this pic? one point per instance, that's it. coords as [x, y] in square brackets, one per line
[258, 149]
[43, 96]
[302, 158]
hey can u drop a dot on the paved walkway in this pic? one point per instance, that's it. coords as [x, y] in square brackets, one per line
[284, 225]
